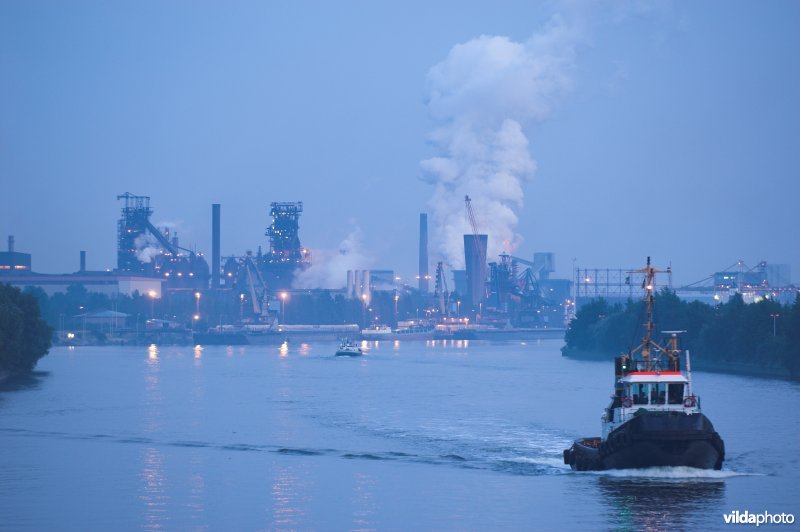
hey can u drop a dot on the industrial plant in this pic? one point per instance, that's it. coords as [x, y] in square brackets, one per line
[171, 293]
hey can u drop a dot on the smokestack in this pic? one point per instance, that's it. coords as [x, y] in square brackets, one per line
[350, 287]
[11, 243]
[366, 279]
[475, 260]
[83, 261]
[357, 284]
[215, 265]
[423, 253]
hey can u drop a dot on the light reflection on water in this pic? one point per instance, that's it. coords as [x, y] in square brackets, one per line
[290, 497]
[154, 490]
[363, 501]
[197, 488]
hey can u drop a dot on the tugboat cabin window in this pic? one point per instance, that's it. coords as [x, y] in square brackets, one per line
[658, 393]
[675, 393]
[639, 393]
[655, 393]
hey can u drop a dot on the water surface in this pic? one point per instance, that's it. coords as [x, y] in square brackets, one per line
[445, 435]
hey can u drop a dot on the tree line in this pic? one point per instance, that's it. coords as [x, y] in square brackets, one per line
[762, 336]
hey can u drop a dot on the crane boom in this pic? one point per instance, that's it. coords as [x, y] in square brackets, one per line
[474, 225]
[471, 215]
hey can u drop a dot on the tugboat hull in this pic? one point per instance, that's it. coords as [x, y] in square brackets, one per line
[652, 439]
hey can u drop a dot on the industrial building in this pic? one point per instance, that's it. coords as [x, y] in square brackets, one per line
[257, 278]
[15, 270]
[14, 261]
[523, 291]
[286, 255]
[144, 250]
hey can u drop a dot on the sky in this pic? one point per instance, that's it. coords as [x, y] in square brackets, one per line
[602, 132]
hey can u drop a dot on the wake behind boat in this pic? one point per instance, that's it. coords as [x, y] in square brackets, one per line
[654, 418]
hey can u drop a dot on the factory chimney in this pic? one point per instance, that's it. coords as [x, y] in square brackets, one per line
[83, 262]
[475, 259]
[357, 284]
[11, 243]
[423, 253]
[215, 259]
[366, 281]
[350, 286]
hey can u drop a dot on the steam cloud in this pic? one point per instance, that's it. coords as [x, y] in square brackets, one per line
[329, 268]
[147, 247]
[482, 94]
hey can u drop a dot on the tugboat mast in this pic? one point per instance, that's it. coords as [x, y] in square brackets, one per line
[647, 346]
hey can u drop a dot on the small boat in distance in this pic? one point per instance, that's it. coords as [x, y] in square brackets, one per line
[376, 332]
[654, 418]
[348, 348]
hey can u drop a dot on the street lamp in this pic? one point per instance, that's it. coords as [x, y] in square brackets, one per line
[152, 294]
[197, 302]
[458, 309]
[774, 317]
[241, 307]
[364, 308]
[284, 295]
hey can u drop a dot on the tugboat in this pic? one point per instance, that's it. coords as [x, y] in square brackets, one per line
[654, 418]
[348, 348]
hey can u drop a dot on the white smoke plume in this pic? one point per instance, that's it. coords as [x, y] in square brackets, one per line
[329, 268]
[147, 247]
[483, 94]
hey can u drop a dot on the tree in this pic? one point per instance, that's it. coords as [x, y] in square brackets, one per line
[582, 333]
[24, 336]
[790, 336]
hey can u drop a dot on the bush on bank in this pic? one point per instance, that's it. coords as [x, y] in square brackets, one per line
[24, 336]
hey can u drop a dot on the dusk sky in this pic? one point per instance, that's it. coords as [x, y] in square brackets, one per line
[603, 133]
